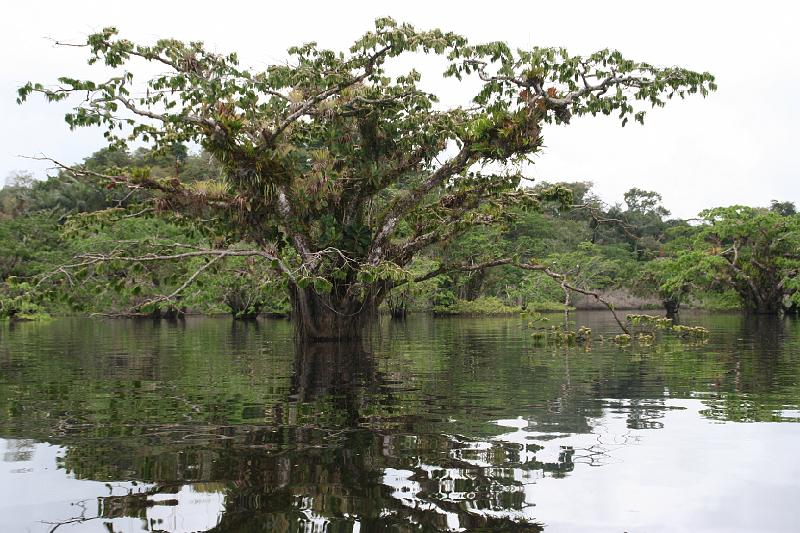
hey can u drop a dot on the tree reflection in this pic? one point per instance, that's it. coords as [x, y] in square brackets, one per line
[451, 432]
[299, 476]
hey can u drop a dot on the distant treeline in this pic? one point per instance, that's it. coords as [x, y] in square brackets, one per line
[635, 255]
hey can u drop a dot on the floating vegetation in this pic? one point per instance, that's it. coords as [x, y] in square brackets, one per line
[645, 330]
[557, 334]
[584, 333]
[657, 322]
[646, 338]
[622, 339]
[650, 326]
[691, 331]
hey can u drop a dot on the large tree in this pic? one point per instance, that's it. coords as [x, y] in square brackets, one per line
[754, 251]
[337, 170]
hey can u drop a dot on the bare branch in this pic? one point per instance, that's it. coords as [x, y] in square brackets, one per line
[186, 283]
[562, 280]
[147, 258]
[128, 181]
[191, 119]
[537, 267]
[94, 258]
[465, 267]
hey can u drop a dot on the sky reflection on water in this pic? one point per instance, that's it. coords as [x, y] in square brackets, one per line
[445, 425]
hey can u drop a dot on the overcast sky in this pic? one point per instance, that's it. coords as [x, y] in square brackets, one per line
[737, 146]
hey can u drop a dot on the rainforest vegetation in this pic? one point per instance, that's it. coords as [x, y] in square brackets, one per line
[332, 187]
[732, 258]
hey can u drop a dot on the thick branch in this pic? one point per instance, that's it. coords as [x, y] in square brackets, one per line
[446, 230]
[742, 274]
[407, 163]
[465, 267]
[410, 199]
[299, 241]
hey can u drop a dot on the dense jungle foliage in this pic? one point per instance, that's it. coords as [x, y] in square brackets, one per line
[634, 254]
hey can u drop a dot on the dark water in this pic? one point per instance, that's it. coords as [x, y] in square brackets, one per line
[441, 425]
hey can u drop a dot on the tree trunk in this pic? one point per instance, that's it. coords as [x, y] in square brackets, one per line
[763, 296]
[398, 305]
[332, 316]
[768, 307]
[671, 305]
[761, 304]
[243, 306]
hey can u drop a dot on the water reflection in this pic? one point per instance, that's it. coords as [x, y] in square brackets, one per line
[43, 498]
[442, 425]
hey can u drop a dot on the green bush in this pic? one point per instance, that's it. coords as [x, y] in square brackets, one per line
[719, 301]
[18, 302]
[485, 305]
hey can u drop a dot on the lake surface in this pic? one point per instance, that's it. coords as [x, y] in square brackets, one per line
[439, 425]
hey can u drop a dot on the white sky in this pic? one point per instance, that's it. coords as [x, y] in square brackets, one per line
[737, 146]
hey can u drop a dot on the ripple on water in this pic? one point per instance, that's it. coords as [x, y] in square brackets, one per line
[442, 424]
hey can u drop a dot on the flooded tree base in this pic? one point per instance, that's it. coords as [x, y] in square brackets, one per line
[328, 317]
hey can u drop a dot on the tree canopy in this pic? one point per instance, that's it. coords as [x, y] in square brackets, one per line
[332, 170]
[751, 250]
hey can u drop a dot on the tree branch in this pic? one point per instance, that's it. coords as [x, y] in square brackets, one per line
[94, 258]
[537, 267]
[562, 280]
[299, 241]
[191, 119]
[411, 198]
[186, 283]
[465, 267]
[309, 103]
[741, 273]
